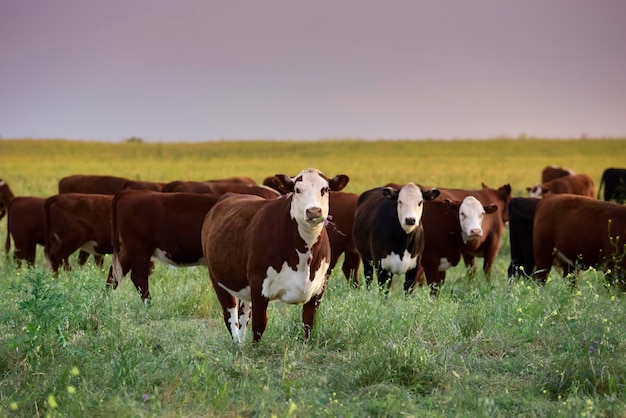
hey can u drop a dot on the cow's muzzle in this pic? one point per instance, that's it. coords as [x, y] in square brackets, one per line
[314, 215]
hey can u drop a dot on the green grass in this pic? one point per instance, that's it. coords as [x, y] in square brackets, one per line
[68, 348]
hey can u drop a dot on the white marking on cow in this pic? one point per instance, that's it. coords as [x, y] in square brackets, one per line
[410, 207]
[233, 319]
[243, 294]
[471, 213]
[90, 247]
[2, 183]
[245, 308]
[166, 258]
[536, 191]
[116, 268]
[444, 264]
[294, 286]
[397, 264]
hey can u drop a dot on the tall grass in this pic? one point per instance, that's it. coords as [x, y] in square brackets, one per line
[481, 348]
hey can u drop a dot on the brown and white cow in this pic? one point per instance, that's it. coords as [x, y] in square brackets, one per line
[262, 250]
[388, 232]
[578, 184]
[26, 224]
[6, 195]
[448, 227]
[578, 231]
[164, 226]
[217, 188]
[342, 206]
[488, 245]
[553, 172]
[77, 221]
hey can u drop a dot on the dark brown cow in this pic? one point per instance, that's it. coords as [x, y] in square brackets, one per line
[217, 188]
[614, 182]
[144, 185]
[521, 220]
[261, 250]
[488, 245]
[148, 224]
[27, 225]
[239, 180]
[578, 184]
[577, 231]
[92, 184]
[553, 172]
[448, 227]
[77, 221]
[342, 206]
[6, 195]
[388, 232]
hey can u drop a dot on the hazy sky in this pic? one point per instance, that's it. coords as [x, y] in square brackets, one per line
[197, 70]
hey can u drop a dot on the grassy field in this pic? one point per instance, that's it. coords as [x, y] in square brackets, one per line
[479, 349]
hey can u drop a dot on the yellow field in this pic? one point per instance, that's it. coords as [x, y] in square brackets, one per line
[33, 167]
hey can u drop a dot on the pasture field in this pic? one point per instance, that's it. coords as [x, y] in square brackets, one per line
[481, 348]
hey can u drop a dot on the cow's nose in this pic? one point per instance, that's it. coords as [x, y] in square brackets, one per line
[476, 232]
[312, 213]
[409, 221]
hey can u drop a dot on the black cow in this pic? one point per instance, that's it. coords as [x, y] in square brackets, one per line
[521, 219]
[614, 180]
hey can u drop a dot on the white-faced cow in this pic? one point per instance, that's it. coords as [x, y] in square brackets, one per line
[6, 195]
[577, 231]
[261, 250]
[448, 227]
[217, 188]
[553, 172]
[579, 184]
[488, 245]
[388, 233]
[147, 225]
[26, 224]
[614, 182]
[76, 221]
[521, 220]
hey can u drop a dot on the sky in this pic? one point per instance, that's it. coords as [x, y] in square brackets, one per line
[202, 70]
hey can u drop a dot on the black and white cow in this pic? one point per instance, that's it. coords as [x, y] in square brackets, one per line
[521, 220]
[388, 233]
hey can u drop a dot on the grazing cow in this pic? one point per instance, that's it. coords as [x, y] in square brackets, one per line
[76, 221]
[388, 233]
[6, 195]
[27, 225]
[488, 245]
[521, 219]
[553, 172]
[577, 231]
[147, 225]
[261, 250]
[448, 226]
[579, 184]
[614, 181]
[217, 188]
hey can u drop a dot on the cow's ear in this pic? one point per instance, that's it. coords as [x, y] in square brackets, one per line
[431, 194]
[390, 193]
[338, 182]
[449, 205]
[528, 189]
[506, 189]
[491, 208]
[283, 183]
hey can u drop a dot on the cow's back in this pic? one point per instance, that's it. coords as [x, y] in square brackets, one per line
[92, 184]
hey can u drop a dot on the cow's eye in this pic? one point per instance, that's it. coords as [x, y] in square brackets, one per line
[324, 191]
[420, 203]
[297, 190]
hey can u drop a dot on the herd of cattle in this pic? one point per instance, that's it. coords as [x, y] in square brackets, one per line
[281, 239]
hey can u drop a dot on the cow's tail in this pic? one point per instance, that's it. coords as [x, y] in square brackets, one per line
[116, 265]
[7, 244]
[601, 183]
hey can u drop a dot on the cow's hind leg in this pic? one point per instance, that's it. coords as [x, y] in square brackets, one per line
[245, 311]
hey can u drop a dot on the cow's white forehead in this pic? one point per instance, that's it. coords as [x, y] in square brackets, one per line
[471, 204]
[310, 175]
[410, 192]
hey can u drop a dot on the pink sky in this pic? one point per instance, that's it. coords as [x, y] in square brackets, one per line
[197, 70]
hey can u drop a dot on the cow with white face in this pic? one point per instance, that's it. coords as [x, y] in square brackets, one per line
[260, 250]
[450, 225]
[388, 233]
